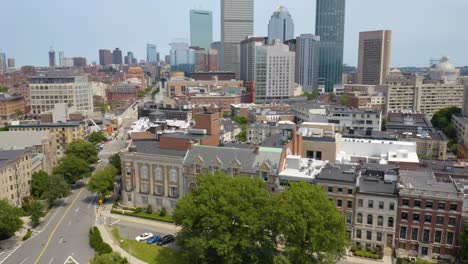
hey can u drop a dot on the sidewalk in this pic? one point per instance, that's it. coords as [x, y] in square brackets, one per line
[108, 239]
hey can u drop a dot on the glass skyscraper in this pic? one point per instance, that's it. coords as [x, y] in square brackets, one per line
[329, 25]
[281, 26]
[151, 54]
[182, 57]
[201, 29]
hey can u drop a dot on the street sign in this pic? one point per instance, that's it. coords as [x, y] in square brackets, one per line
[100, 201]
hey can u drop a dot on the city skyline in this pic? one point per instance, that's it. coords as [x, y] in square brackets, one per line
[413, 44]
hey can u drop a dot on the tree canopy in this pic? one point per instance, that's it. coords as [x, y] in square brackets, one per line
[83, 150]
[96, 138]
[37, 211]
[72, 168]
[442, 120]
[114, 258]
[115, 161]
[39, 183]
[312, 95]
[241, 120]
[57, 188]
[10, 220]
[103, 181]
[235, 220]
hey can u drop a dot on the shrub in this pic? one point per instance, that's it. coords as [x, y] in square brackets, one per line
[163, 212]
[96, 242]
[137, 210]
[149, 209]
[27, 235]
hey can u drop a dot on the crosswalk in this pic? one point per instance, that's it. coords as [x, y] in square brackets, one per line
[7, 253]
[107, 153]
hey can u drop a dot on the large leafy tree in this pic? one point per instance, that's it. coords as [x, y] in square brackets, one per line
[103, 181]
[83, 150]
[37, 211]
[57, 188]
[10, 220]
[313, 230]
[114, 258]
[96, 137]
[223, 221]
[115, 161]
[464, 243]
[72, 168]
[39, 183]
[442, 118]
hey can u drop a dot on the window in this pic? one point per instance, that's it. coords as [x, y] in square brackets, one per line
[173, 203]
[440, 220]
[349, 204]
[173, 175]
[144, 172]
[379, 236]
[415, 217]
[144, 188]
[405, 202]
[429, 205]
[404, 216]
[350, 191]
[158, 174]
[403, 232]
[370, 219]
[451, 221]
[129, 172]
[265, 176]
[370, 204]
[424, 251]
[453, 207]
[330, 189]
[192, 186]
[426, 235]
[360, 203]
[436, 250]
[358, 234]
[391, 206]
[438, 236]
[369, 235]
[158, 202]
[414, 233]
[340, 190]
[359, 218]
[441, 206]
[158, 190]
[390, 222]
[144, 200]
[381, 205]
[450, 238]
[197, 169]
[417, 203]
[235, 171]
[427, 218]
[174, 191]
[349, 218]
[339, 202]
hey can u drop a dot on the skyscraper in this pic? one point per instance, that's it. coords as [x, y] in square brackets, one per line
[117, 56]
[248, 58]
[151, 54]
[11, 63]
[199, 55]
[201, 29]
[61, 57]
[3, 62]
[329, 25]
[182, 57]
[374, 56]
[281, 25]
[307, 56]
[51, 57]
[213, 60]
[237, 20]
[105, 57]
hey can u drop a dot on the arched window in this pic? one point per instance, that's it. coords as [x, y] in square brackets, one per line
[144, 172]
[370, 219]
[359, 218]
[380, 220]
[158, 174]
[193, 186]
[173, 175]
[390, 222]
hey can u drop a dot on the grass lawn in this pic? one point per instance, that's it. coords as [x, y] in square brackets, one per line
[148, 253]
[143, 214]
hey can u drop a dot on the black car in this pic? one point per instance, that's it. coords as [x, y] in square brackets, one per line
[166, 240]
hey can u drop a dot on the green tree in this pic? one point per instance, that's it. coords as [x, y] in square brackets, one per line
[114, 258]
[72, 168]
[39, 183]
[10, 220]
[57, 188]
[312, 95]
[37, 211]
[115, 161]
[241, 120]
[332, 96]
[4, 89]
[103, 181]
[19, 112]
[223, 221]
[442, 118]
[96, 137]
[343, 100]
[311, 225]
[464, 243]
[242, 136]
[83, 150]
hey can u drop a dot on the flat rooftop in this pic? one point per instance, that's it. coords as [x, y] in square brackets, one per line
[11, 140]
[153, 148]
[338, 172]
[63, 124]
[424, 180]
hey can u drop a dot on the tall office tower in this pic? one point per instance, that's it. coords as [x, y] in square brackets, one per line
[199, 59]
[248, 57]
[79, 61]
[213, 60]
[274, 73]
[167, 59]
[281, 25]
[307, 61]
[217, 45]
[51, 57]
[3, 62]
[182, 57]
[151, 54]
[117, 56]
[201, 29]
[374, 56]
[105, 57]
[237, 22]
[329, 25]
[158, 57]
[130, 58]
[61, 57]
[11, 62]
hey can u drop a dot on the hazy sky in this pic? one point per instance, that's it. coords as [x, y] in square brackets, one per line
[422, 29]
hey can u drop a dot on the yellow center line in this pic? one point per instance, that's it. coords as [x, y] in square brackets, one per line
[57, 225]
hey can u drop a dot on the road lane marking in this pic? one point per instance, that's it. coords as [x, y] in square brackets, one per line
[57, 225]
[24, 260]
[53, 216]
[9, 252]
[92, 201]
[115, 222]
[77, 209]
[51, 260]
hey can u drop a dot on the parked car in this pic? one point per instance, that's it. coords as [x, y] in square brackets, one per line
[154, 239]
[143, 237]
[166, 240]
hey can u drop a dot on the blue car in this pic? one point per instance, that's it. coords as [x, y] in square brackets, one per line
[154, 239]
